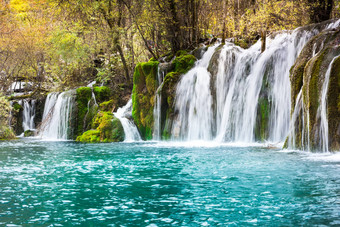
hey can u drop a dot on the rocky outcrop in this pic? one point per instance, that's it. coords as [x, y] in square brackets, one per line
[105, 128]
[320, 56]
[143, 97]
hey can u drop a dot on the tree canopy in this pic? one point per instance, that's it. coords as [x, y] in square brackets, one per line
[57, 44]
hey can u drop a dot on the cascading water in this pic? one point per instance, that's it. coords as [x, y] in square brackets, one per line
[299, 110]
[157, 107]
[244, 79]
[323, 133]
[130, 129]
[28, 114]
[194, 102]
[57, 116]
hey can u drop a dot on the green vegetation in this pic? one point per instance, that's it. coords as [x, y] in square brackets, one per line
[28, 133]
[105, 128]
[333, 98]
[102, 93]
[262, 124]
[144, 88]
[6, 132]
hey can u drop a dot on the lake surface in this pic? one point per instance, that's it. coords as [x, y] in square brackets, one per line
[165, 184]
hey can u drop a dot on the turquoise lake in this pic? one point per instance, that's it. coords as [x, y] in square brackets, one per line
[165, 184]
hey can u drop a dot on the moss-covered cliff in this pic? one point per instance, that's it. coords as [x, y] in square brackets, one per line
[145, 83]
[308, 74]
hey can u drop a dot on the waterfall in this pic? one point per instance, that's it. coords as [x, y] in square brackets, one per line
[130, 129]
[299, 110]
[228, 103]
[322, 110]
[95, 104]
[57, 116]
[194, 102]
[157, 108]
[28, 114]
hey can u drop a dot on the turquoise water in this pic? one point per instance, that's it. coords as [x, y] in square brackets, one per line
[149, 184]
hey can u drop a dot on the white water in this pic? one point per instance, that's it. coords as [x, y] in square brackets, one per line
[238, 84]
[57, 115]
[194, 102]
[28, 114]
[130, 129]
[323, 133]
[157, 108]
[299, 110]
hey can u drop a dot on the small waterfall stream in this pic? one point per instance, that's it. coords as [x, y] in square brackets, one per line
[57, 116]
[158, 104]
[130, 129]
[323, 133]
[28, 114]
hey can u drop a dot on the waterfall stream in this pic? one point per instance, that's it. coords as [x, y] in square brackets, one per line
[28, 114]
[194, 102]
[323, 133]
[228, 103]
[57, 116]
[157, 107]
[130, 129]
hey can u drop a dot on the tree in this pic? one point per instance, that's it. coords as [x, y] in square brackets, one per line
[320, 10]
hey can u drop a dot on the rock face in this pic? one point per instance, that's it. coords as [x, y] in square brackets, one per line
[94, 119]
[143, 97]
[6, 133]
[105, 128]
[145, 83]
[316, 111]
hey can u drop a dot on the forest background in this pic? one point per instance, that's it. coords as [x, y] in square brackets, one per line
[61, 44]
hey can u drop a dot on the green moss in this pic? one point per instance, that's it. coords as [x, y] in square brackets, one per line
[28, 133]
[144, 89]
[181, 52]
[107, 106]
[91, 136]
[83, 96]
[6, 133]
[313, 89]
[102, 93]
[261, 131]
[184, 63]
[17, 106]
[107, 129]
[297, 81]
[333, 99]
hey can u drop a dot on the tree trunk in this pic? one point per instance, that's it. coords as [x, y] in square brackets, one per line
[263, 40]
[320, 10]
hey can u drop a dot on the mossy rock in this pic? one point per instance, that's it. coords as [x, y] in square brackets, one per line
[184, 63]
[107, 106]
[17, 106]
[6, 133]
[144, 89]
[102, 93]
[262, 120]
[28, 133]
[107, 129]
[91, 136]
[308, 74]
[181, 52]
[83, 96]
[333, 105]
